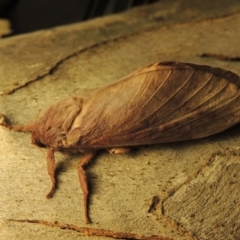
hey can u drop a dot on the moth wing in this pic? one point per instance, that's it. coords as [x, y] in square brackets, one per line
[164, 102]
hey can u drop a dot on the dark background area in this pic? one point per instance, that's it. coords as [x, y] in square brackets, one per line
[30, 15]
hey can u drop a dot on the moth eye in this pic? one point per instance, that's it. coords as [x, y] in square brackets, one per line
[39, 143]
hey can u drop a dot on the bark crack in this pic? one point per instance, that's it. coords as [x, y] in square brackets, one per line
[52, 69]
[61, 61]
[87, 231]
[221, 57]
[172, 191]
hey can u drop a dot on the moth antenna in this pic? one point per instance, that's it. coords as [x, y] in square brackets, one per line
[37, 116]
[39, 148]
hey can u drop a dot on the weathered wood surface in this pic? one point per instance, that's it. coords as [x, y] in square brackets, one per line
[197, 182]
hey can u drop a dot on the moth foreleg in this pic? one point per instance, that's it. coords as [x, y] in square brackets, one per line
[26, 128]
[83, 181]
[51, 171]
[119, 150]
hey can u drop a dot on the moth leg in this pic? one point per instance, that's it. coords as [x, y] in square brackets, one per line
[17, 128]
[51, 171]
[119, 150]
[83, 181]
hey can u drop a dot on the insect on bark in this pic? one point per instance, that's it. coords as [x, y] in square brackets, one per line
[164, 102]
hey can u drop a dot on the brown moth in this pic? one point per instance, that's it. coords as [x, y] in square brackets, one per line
[164, 102]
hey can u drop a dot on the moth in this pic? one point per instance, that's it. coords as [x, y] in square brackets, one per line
[163, 102]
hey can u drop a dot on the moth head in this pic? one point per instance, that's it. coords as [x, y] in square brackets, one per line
[38, 143]
[38, 138]
[50, 130]
[48, 138]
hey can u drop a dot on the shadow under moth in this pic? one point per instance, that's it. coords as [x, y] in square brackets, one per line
[164, 102]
